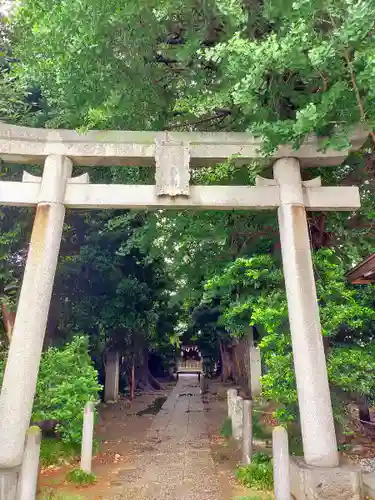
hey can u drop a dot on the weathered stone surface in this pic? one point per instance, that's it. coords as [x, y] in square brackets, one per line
[27, 482]
[255, 370]
[87, 437]
[106, 196]
[98, 147]
[172, 168]
[325, 483]
[20, 376]
[231, 397]
[8, 483]
[281, 467]
[247, 433]
[237, 418]
[314, 400]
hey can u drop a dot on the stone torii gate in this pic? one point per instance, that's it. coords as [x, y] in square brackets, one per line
[172, 154]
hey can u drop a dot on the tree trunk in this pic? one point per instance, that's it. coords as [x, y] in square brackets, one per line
[8, 321]
[226, 364]
[154, 383]
[364, 410]
[241, 355]
[132, 383]
[143, 378]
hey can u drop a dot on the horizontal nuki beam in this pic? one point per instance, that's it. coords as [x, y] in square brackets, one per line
[123, 148]
[120, 196]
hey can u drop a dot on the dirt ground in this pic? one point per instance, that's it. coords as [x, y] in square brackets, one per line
[121, 433]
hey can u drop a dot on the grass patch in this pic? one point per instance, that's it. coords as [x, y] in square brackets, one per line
[54, 452]
[51, 494]
[259, 474]
[79, 476]
[259, 431]
[226, 429]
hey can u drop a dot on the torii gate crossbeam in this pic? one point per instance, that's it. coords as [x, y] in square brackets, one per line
[172, 154]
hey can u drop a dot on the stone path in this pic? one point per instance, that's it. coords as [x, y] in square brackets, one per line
[176, 462]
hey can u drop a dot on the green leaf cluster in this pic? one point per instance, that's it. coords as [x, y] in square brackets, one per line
[67, 381]
[259, 474]
[352, 369]
[251, 291]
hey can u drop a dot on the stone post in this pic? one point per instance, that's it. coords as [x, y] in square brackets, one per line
[8, 483]
[112, 376]
[255, 370]
[19, 383]
[280, 451]
[231, 396]
[318, 433]
[28, 479]
[204, 384]
[237, 418]
[87, 437]
[247, 434]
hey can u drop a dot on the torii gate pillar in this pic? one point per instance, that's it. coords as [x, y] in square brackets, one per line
[21, 372]
[318, 475]
[318, 432]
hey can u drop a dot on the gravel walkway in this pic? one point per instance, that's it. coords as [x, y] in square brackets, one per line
[176, 462]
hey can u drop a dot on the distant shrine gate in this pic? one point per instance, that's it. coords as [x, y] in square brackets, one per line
[172, 154]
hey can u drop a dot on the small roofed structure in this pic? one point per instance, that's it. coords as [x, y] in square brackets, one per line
[363, 273]
[190, 361]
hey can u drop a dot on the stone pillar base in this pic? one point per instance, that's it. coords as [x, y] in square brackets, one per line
[322, 483]
[8, 483]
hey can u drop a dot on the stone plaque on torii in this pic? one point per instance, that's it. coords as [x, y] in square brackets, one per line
[171, 154]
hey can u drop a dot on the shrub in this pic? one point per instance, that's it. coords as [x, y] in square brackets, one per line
[259, 474]
[259, 431]
[54, 452]
[79, 476]
[67, 381]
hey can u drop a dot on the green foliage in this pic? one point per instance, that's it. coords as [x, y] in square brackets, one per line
[78, 476]
[66, 382]
[295, 445]
[257, 475]
[259, 431]
[86, 46]
[51, 494]
[302, 59]
[352, 368]
[286, 414]
[134, 65]
[251, 291]
[226, 429]
[54, 451]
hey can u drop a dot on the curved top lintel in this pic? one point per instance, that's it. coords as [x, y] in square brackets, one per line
[127, 148]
